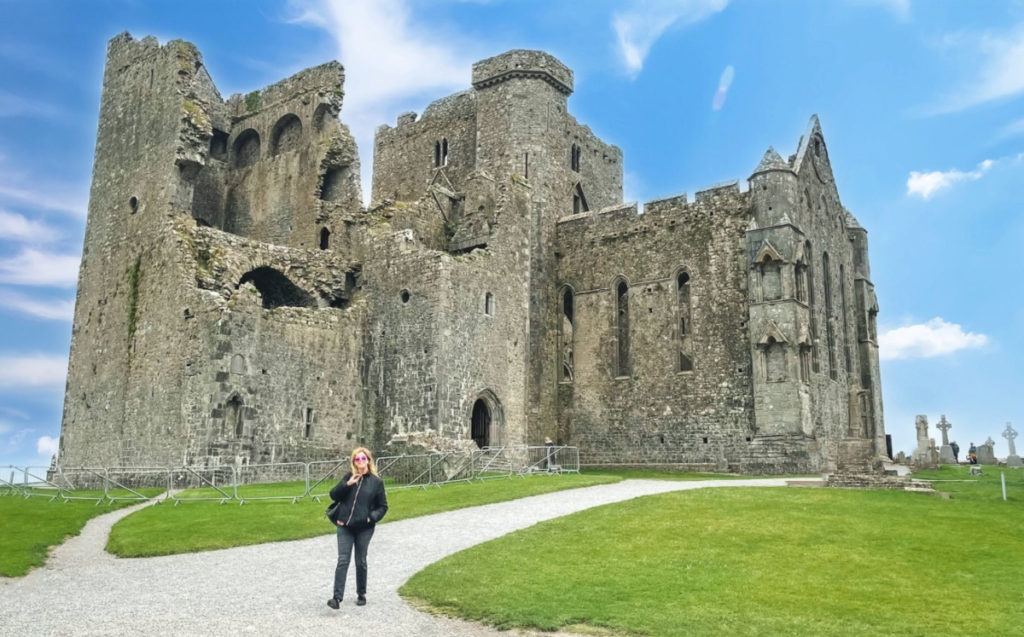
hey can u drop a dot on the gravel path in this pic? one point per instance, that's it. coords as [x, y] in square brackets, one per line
[279, 588]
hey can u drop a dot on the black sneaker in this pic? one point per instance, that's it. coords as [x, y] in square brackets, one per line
[333, 602]
[361, 600]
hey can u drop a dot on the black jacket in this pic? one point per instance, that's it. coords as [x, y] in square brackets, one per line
[362, 504]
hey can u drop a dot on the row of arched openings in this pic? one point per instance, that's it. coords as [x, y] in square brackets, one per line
[285, 136]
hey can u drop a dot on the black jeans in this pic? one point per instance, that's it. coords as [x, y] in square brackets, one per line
[346, 540]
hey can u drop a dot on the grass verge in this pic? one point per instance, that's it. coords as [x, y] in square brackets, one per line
[30, 527]
[160, 530]
[752, 562]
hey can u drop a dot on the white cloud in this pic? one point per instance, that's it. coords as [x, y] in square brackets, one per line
[644, 21]
[58, 310]
[927, 184]
[927, 340]
[999, 72]
[34, 267]
[15, 226]
[47, 445]
[36, 370]
[389, 58]
[724, 82]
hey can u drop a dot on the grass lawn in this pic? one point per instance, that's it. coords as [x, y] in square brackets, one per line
[755, 562]
[159, 530]
[30, 527]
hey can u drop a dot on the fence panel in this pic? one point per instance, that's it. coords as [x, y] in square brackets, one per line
[81, 483]
[323, 475]
[197, 484]
[122, 482]
[252, 478]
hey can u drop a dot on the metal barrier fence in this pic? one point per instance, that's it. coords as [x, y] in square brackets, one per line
[310, 479]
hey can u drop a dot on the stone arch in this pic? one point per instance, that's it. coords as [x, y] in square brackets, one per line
[246, 149]
[276, 289]
[286, 135]
[486, 420]
[334, 181]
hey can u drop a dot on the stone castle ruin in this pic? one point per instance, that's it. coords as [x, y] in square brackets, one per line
[238, 305]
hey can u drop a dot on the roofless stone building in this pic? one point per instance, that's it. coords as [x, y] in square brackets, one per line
[238, 305]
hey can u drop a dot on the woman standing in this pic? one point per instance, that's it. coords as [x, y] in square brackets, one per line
[362, 504]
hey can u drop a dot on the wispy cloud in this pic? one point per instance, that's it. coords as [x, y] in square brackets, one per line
[927, 184]
[640, 25]
[36, 370]
[21, 228]
[57, 310]
[35, 267]
[390, 57]
[1013, 128]
[54, 197]
[999, 71]
[927, 340]
[724, 82]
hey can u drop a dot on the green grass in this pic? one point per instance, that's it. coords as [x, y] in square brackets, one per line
[160, 530]
[30, 527]
[753, 562]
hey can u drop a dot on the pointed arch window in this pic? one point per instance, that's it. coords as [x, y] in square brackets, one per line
[685, 328]
[579, 201]
[830, 337]
[566, 335]
[846, 323]
[622, 367]
[574, 158]
[815, 362]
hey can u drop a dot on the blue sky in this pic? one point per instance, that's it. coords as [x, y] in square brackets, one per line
[921, 103]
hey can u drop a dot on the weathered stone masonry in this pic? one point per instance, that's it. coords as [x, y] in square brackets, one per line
[238, 305]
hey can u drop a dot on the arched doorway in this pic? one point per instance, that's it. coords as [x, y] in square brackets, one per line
[480, 430]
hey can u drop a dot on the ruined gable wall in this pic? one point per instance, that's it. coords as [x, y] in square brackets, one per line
[658, 413]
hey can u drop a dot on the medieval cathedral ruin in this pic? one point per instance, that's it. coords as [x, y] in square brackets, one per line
[237, 304]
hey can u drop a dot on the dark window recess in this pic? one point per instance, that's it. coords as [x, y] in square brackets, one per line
[622, 328]
[579, 201]
[247, 148]
[309, 423]
[480, 429]
[233, 416]
[325, 238]
[219, 145]
[276, 289]
[287, 134]
[333, 188]
[404, 295]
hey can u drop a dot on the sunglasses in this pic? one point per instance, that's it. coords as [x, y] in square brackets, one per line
[360, 459]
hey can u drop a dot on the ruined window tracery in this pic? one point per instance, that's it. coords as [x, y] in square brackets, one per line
[579, 201]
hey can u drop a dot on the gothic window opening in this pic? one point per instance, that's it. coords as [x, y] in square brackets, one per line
[815, 363]
[308, 420]
[566, 335]
[441, 153]
[325, 238]
[489, 304]
[771, 279]
[574, 158]
[480, 428]
[774, 361]
[846, 323]
[830, 337]
[685, 360]
[800, 276]
[444, 152]
[579, 201]
[622, 328]
[233, 416]
[805, 363]
[437, 154]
